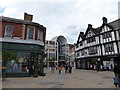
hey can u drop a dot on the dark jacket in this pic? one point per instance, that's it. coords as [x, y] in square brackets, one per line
[117, 69]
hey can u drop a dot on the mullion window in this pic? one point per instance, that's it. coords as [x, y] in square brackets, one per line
[92, 50]
[109, 47]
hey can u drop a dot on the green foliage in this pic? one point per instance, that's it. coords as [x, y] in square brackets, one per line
[94, 60]
[9, 55]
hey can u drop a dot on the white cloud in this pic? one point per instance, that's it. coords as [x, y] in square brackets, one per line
[59, 15]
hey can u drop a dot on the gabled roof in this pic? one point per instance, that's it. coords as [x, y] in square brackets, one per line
[113, 25]
[95, 31]
[81, 35]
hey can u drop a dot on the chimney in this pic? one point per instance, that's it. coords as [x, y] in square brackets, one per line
[81, 33]
[28, 17]
[104, 20]
[90, 26]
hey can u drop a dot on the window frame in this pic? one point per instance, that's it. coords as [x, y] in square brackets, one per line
[33, 33]
[6, 31]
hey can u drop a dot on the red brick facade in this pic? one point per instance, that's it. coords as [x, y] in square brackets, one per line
[20, 30]
[17, 29]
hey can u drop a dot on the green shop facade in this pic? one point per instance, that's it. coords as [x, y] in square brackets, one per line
[22, 58]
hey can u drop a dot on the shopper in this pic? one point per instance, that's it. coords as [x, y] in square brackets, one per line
[70, 69]
[60, 69]
[66, 68]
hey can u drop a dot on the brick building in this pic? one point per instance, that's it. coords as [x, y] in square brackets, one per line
[22, 48]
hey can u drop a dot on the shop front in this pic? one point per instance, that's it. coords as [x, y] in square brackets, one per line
[22, 59]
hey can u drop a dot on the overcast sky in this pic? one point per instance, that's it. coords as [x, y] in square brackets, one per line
[62, 17]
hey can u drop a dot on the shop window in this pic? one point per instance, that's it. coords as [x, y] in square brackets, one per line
[30, 33]
[8, 31]
[16, 61]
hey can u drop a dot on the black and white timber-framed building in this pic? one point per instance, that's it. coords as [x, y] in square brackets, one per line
[99, 45]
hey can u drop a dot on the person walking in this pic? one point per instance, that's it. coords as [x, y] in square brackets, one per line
[70, 69]
[56, 67]
[101, 67]
[107, 67]
[66, 68]
[94, 67]
[60, 69]
[111, 67]
[117, 75]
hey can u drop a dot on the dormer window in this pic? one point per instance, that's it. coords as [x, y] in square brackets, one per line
[8, 31]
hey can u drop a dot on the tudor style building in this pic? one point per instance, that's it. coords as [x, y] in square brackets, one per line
[22, 48]
[99, 45]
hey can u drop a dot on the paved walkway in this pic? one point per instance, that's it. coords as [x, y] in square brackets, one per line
[77, 79]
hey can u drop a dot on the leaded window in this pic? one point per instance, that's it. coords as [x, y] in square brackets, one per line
[82, 52]
[109, 47]
[107, 35]
[92, 39]
[92, 50]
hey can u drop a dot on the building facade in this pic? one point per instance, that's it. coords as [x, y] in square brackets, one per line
[61, 42]
[72, 55]
[65, 52]
[99, 45]
[51, 53]
[22, 47]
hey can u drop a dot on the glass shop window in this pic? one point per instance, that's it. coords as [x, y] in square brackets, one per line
[16, 61]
